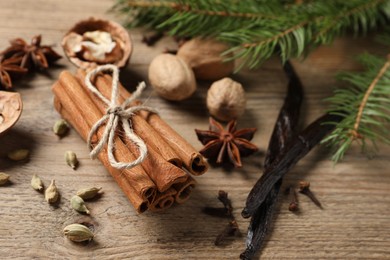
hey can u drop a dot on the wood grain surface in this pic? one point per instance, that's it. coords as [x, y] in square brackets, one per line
[355, 221]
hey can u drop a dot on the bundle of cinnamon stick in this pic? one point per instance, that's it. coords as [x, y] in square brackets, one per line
[162, 178]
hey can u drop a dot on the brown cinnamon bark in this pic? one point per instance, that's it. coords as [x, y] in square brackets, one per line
[184, 190]
[162, 173]
[193, 161]
[140, 126]
[163, 200]
[76, 120]
[71, 89]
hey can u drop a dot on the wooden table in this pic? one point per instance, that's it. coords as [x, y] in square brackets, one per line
[354, 223]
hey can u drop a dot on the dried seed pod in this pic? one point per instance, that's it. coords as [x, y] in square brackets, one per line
[36, 183]
[78, 233]
[51, 193]
[88, 193]
[18, 155]
[205, 58]
[4, 178]
[78, 204]
[60, 127]
[71, 159]
[171, 77]
[226, 99]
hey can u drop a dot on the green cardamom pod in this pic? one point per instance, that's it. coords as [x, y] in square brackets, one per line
[51, 193]
[71, 159]
[60, 127]
[78, 204]
[19, 154]
[3, 178]
[88, 193]
[78, 233]
[36, 183]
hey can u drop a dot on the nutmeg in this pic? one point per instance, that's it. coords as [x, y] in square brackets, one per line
[226, 99]
[204, 57]
[171, 77]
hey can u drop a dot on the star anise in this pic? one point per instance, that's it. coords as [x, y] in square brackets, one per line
[33, 55]
[9, 69]
[220, 144]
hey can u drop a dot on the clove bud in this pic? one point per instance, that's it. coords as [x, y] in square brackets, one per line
[304, 188]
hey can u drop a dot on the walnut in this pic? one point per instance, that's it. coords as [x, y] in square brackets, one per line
[94, 42]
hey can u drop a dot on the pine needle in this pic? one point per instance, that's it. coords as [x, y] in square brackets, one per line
[257, 29]
[366, 107]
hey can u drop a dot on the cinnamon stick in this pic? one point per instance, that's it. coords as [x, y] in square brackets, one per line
[193, 161]
[141, 127]
[163, 200]
[161, 172]
[71, 89]
[184, 190]
[76, 120]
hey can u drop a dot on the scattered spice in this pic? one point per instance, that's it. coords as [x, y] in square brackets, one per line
[18, 155]
[231, 228]
[78, 204]
[226, 99]
[78, 233]
[36, 183]
[32, 55]
[220, 144]
[293, 206]
[61, 127]
[51, 194]
[171, 77]
[4, 178]
[71, 159]
[304, 188]
[10, 69]
[88, 193]
[151, 38]
[284, 129]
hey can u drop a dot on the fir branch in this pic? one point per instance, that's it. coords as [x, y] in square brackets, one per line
[257, 29]
[363, 16]
[365, 107]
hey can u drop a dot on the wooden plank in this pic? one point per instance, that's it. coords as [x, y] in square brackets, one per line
[355, 194]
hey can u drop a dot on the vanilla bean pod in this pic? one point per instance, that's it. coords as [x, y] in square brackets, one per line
[284, 129]
[296, 150]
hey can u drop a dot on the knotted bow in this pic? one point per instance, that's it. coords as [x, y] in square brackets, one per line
[114, 114]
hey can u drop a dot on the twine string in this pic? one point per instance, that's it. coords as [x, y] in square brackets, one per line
[116, 113]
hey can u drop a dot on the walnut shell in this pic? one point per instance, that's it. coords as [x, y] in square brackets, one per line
[119, 57]
[10, 109]
[204, 57]
[226, 99]
[171, 77]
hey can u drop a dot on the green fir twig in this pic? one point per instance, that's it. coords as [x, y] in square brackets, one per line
[257, 29]
[365, 106]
